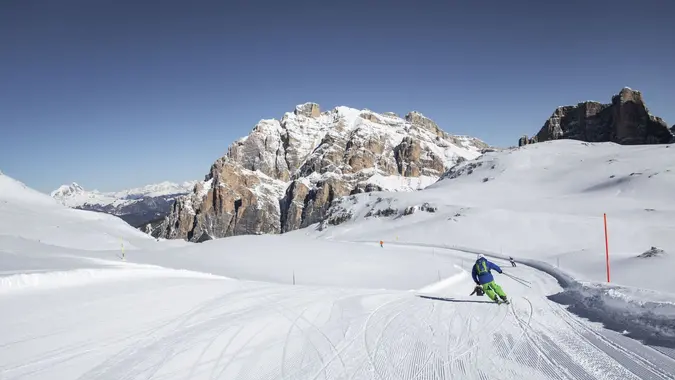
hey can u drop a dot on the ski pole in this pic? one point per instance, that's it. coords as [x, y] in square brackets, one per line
[517, 278]
[520, 281]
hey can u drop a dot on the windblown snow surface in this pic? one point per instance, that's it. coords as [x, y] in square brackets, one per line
[332, 304]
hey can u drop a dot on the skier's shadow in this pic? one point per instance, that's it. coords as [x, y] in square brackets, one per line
[453, 299]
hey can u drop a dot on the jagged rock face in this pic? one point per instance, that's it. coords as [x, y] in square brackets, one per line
[263, 150]
[407, 155]
[626, 120]
[412, 161]
[634, 123]
[292, 206]
[232, 201]
[417, 119]
[319, 199]
[365, 188]
[523, 141]
[286, 173]
[308, 110]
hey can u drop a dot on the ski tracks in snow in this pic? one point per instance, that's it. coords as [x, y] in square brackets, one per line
[264, 332]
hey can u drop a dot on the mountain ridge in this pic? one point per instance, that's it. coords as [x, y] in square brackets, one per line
[284, 174]
[625, 120]
[137, 206]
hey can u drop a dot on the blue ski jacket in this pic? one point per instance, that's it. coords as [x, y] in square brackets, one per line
[481, 271]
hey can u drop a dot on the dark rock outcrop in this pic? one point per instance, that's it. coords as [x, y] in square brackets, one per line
[526, 140]
[652, 252]
[626, 120]
[232, 201]
[292, 206]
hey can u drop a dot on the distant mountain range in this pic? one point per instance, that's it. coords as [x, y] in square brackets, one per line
[137, 207]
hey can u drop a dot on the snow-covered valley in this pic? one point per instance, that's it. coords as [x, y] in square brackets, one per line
[328, 302]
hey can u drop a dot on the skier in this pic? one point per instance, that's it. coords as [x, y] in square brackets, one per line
[483, 277]
[381, 244]
[513, 262]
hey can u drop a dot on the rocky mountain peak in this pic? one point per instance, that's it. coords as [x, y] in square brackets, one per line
[627, 94]
[626, 120]
[308, 110]
[285, 173]
[66, 191]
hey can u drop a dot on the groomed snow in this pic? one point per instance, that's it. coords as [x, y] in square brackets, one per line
[543, 201]
[228, 309]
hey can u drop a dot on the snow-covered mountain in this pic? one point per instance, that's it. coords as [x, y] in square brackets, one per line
[285, 174]
[138, 206]
[310, 307]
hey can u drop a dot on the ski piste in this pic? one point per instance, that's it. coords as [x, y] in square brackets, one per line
[72, 310]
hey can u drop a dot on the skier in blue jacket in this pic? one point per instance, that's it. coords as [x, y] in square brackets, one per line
[483, 277]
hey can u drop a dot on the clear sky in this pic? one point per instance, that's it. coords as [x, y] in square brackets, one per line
[115, 94]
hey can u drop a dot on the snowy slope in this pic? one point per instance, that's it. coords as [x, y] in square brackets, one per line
[226, 309]
[544, 201]
[29, 217]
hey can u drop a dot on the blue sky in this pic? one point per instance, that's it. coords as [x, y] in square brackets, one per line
[119, 93]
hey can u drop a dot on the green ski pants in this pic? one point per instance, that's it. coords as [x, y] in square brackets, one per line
[491, 288]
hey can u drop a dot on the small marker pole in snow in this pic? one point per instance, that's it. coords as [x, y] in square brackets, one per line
[122, 244]
[606, 246]
[294, 277]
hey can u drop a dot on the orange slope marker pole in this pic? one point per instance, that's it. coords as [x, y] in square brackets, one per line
[606, 246]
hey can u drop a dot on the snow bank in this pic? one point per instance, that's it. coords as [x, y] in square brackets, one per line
[443, 285]
[641, 314]
[637, 313]
[79, 277]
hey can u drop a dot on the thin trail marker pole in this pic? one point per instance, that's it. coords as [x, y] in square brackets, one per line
[606, 246]
[293, 277]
